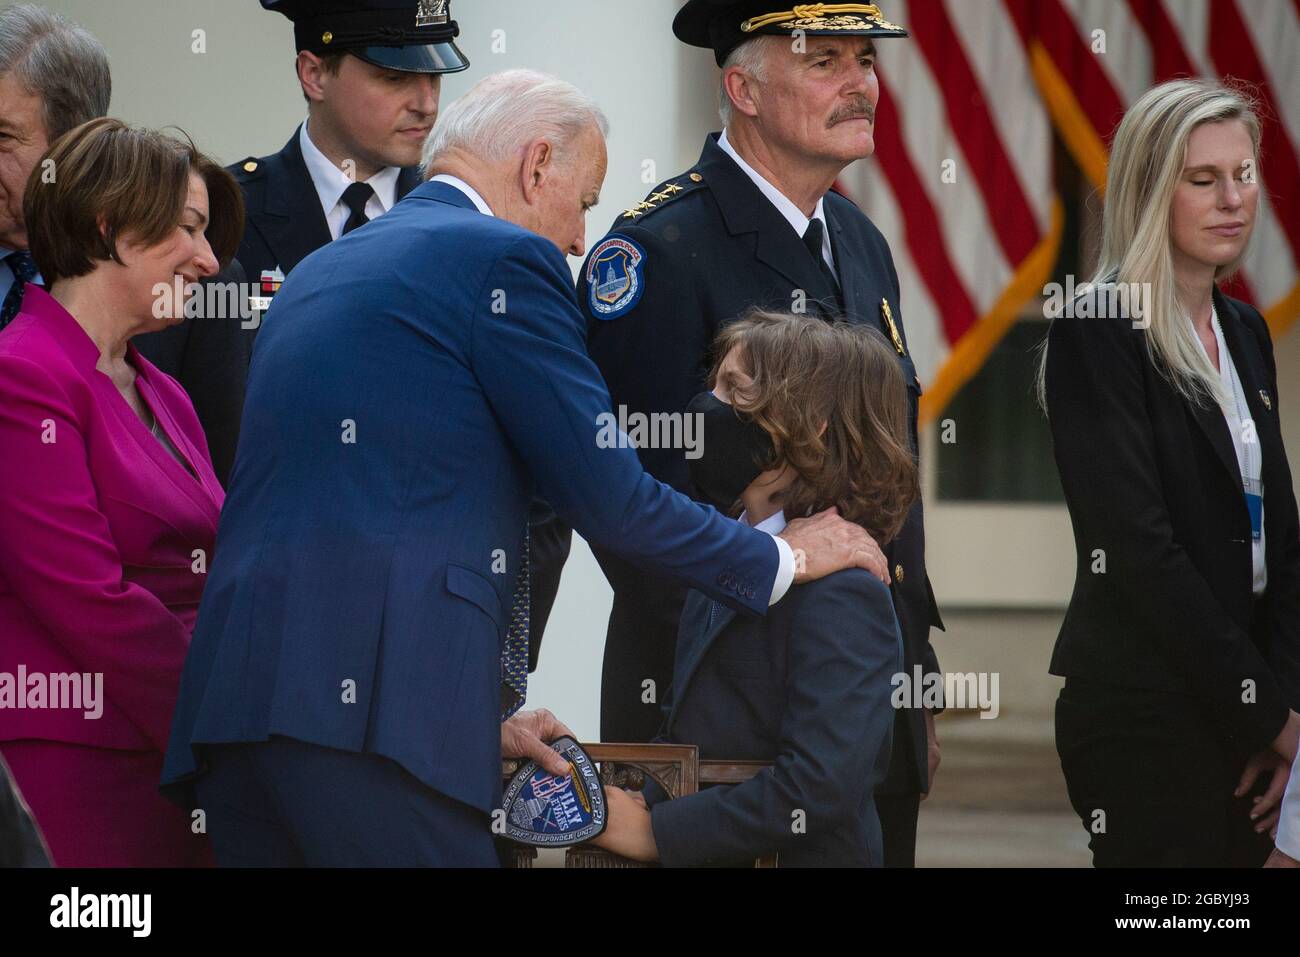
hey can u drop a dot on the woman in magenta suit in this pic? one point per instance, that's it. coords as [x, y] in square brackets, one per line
[108, 501]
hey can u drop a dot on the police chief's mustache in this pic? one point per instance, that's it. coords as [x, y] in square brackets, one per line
[858, 109]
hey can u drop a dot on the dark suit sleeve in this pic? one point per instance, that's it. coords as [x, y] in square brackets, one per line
[654, 357]
[215, 373]
[929, 660]
[529, 355]
[843, 650]
[208, 356]
[651, 791]
[1104, 441]
[1283, 651]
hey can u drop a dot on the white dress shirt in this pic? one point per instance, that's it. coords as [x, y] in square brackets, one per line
[785, 568]
[1288, 828]
[479, 203]
[1249, 454]
[330, 182]
[774, 524]
[792, 213]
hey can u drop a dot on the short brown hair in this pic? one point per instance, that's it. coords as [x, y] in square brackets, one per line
[833, 399]
[130, 181]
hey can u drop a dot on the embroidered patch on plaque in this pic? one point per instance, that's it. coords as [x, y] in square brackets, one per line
[547, 811]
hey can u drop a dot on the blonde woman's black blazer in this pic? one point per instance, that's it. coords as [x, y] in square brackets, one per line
[1162, 597]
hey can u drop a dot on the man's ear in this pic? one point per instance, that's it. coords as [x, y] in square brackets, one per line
[539, 163]
[741, 89]
[311, 74]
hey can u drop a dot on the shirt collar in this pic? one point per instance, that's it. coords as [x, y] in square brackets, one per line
[792, 213]
[330, 181]
[774, 524]
[479, 202]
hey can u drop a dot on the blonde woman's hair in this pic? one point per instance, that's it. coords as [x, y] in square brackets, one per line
[1146, 164]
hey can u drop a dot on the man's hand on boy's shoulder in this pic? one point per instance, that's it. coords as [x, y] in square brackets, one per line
[826, 543]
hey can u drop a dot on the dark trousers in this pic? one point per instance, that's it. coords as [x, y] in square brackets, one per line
[286, 803]
[898, 813]
[1151, 779]
[898, 800]
[640, 645]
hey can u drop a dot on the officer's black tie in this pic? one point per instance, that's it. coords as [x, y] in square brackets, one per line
[24, 270]
[813, 239]
[355, 198]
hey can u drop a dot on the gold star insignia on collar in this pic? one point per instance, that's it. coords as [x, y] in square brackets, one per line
[644, 205]
[659, 197]
[672, 189]
[632, 213]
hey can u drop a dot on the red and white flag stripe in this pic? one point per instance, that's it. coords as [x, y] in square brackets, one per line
[962, 183]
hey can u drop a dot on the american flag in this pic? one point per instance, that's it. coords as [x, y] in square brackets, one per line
[962, 181]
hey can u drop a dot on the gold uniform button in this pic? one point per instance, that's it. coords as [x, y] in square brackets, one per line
[898, 573]
[696, 178]
[327, 37]
[250, 166]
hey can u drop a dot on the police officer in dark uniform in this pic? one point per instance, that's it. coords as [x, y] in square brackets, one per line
[371, 73]
[753, 223]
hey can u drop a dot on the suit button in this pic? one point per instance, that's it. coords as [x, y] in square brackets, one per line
[898, 574]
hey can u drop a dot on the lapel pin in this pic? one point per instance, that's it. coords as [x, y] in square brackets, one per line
[1268, 403]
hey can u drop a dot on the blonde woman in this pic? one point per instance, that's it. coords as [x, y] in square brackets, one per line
[1181, 645]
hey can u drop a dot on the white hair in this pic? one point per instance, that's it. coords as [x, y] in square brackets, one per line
[504, 112]
[751, 57]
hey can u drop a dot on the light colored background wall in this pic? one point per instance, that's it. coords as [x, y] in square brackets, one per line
[240, 97]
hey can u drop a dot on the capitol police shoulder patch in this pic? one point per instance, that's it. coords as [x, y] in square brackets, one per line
[546, 811]
[615, 277]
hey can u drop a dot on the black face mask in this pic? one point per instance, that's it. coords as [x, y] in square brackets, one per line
[735, 451]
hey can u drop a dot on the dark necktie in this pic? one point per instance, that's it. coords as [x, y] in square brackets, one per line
[24, 270]
[812, 238]
[514, 657]
[355, 198]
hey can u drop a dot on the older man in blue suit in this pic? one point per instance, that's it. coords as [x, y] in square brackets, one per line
[348, 694]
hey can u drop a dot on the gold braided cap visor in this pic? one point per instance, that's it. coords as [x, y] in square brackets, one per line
[823, 16]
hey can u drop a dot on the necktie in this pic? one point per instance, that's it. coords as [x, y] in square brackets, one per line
[355, 198]
[812, 238]
[24, 270]
[514, 657]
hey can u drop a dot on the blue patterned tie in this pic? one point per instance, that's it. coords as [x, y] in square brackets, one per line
[24, 270]
[514, 658]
